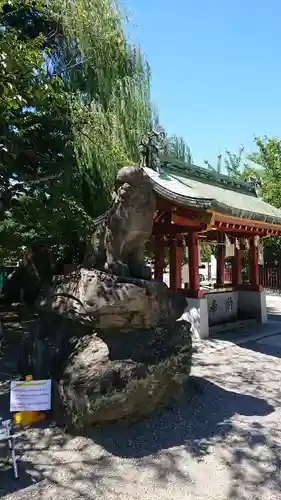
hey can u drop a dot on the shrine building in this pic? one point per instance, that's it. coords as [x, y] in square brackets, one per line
[196, 206]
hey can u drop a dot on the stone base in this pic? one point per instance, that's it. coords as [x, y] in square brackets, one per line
[222, 307]
[117, 376]
[110, 374]
[96, 298]
[253, 305]
[196, 313]
[247, 304]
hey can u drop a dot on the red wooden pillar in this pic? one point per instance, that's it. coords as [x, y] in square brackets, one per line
[193, 263]
[175, 257]
[237, 267]
[254, 263]
[220, 260]
[159, 258]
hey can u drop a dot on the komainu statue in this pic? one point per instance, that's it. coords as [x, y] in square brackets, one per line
[113, 346]
[121, 233]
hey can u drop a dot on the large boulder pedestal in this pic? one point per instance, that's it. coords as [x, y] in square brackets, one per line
[112, 346]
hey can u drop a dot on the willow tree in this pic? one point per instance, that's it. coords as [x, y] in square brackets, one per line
[109, 92]
[178, 148]
[36, 155]
[100, 87]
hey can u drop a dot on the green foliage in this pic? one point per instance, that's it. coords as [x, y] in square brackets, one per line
[206, 252]
[177, 148]
[216, 169]
[265, 164]
[114, 111]
[74, 105]
[268, 157]
[233, 164]
[35, 135]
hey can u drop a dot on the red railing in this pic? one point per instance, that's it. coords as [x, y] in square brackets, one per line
[228, 275]
[270, 277]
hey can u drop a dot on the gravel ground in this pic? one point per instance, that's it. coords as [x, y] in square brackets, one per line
[223, 445]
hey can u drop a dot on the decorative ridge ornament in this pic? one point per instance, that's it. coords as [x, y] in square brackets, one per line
[201, 173]
[149, 150]
[255, 182]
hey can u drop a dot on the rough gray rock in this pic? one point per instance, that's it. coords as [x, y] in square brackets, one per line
[113, 349]
[106, 301]
[112, 377]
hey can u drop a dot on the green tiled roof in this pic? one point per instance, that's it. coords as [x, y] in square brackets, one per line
[197, 187]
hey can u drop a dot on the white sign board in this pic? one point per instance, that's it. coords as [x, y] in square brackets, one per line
[33, 395]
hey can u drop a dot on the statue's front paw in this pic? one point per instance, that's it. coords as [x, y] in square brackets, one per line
[141, 271]
[117, 268]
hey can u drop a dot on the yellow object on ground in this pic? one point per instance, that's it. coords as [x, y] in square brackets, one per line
[28, 417]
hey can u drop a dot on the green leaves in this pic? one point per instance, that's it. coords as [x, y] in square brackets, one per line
[233, 164]
[74, 105]
[113, 112]
[35, 146]
[269, 158]
[265, 163]
[177, 148]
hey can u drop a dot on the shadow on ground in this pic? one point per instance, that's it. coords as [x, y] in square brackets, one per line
[238, 425]
[273, 314]
[8, 483]
[270, 346]
[193, 425]
[207, 420]
[31, 471]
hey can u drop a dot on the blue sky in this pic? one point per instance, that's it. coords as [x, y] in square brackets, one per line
[216, 69]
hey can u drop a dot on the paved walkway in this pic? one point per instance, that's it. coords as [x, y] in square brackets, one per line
[223, 445]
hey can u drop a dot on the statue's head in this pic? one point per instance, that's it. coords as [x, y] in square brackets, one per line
[132, 175]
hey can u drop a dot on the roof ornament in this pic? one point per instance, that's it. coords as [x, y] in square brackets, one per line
[149, 150]
[255, 182]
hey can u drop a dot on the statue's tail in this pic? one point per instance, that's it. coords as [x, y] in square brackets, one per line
[101, 218]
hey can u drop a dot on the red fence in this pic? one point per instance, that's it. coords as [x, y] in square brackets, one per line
[228, 275]
[270, 277]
